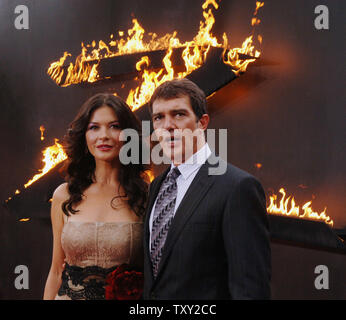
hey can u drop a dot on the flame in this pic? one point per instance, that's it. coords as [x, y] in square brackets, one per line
[81, 71]
[287, 208]
[150, 175]
[24, 219]
[194, 55]
[255, 21]
[232, 57]
[55, 70]
[52, 156]
[144, 60]
[260, 39]
[258, 6]
[139, 96]
[258, 165]
[247, 48]
[42, 128]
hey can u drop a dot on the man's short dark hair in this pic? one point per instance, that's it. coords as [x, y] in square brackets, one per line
[178, 88]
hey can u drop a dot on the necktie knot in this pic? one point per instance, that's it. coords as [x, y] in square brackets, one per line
[174, 174]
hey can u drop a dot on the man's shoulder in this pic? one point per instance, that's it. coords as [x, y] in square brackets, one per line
[234, 174]
[237, 181]
[234, 171]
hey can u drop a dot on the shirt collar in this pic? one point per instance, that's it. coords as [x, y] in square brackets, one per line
[194, 162]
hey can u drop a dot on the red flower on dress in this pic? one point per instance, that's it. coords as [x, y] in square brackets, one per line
[124, 283]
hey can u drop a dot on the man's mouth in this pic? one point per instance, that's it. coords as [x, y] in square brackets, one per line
[171, 139]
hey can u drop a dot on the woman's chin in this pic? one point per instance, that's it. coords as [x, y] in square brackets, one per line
[106, 157]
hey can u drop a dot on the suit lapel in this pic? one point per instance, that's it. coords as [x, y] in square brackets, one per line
[198, 188]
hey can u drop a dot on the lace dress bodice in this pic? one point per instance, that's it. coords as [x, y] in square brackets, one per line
[93, 250]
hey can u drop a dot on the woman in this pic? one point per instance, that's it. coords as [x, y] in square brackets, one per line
[97, 215]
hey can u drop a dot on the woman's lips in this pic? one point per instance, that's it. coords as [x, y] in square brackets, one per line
[104, 147]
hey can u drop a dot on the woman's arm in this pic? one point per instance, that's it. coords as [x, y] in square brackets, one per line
[54, 277]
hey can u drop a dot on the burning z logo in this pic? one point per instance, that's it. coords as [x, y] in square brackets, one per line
[322, 20]
[22, 20]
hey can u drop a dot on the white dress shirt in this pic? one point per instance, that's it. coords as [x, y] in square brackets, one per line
[188, 171]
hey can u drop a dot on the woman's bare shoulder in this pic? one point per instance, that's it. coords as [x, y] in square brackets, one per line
[61, 192]
[60, 195]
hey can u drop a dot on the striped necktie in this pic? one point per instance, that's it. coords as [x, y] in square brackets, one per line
[163, 216]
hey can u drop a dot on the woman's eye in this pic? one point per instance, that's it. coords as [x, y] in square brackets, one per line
[115, 126]
[92, 127]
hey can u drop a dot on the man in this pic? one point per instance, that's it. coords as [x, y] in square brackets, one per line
[206, 236]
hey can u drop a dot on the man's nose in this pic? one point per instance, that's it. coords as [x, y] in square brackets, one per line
[169, 124]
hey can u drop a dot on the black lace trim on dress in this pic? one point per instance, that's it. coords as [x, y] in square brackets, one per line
[84, 283]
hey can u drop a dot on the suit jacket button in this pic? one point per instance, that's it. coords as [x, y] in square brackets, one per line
[153, 295]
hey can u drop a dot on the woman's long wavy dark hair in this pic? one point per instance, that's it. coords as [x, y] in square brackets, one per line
[80, 165]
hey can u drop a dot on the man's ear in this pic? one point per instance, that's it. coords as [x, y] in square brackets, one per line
[203, 122]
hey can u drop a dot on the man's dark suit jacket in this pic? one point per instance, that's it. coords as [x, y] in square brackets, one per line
[218, 245]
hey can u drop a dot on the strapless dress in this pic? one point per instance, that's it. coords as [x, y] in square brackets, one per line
[93, 252]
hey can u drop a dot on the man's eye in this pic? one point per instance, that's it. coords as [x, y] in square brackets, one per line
[157, 118]
[179, 115]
